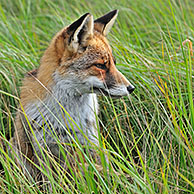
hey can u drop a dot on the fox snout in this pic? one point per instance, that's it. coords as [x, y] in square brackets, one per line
[120, 85]
[129, 86]
[112, 83]
[130, 89]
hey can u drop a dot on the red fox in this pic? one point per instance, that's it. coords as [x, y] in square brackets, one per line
[77, 66]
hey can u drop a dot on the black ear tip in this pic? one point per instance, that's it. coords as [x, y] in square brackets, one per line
[77, 23]
[107, 17]
[86, 14]
[115, 11]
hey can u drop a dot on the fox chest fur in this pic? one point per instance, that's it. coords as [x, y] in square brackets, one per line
[64, 113]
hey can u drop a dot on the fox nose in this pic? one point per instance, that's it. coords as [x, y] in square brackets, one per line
[130, 89]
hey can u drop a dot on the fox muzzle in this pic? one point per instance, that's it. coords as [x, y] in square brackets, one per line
[130, 88]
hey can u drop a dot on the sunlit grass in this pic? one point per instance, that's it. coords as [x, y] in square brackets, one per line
[148, 136]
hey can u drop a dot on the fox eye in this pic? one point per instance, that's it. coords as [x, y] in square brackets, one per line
[100, 66]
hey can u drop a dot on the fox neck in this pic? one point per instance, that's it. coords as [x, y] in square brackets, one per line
[66, 106]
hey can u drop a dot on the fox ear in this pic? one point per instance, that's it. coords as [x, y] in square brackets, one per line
[80, 31]
[105, 23]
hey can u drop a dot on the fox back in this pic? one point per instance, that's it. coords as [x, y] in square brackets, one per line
[59, 99]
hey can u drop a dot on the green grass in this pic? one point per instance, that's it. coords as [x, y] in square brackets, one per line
[149, 136]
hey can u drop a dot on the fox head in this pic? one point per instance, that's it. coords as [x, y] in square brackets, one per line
[80, 58]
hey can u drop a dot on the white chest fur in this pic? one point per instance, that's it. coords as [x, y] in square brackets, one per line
[59, 112]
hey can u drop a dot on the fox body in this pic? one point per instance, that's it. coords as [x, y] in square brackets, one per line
[59, 98]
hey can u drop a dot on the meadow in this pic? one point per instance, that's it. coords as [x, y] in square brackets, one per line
[149, 135]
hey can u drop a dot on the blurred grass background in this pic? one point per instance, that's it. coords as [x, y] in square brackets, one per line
[151, 132]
